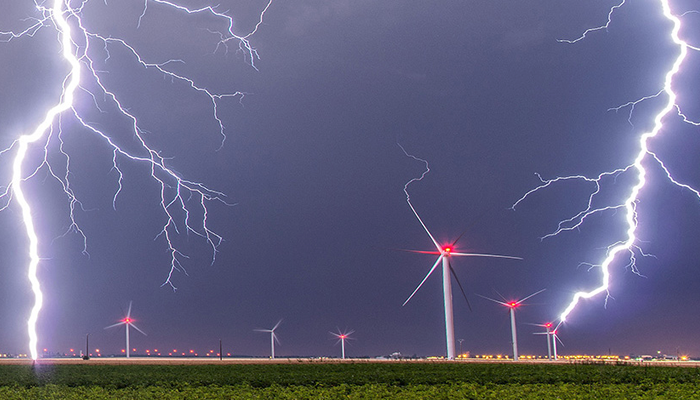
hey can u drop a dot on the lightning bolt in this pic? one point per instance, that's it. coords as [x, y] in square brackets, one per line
[408, 196]
[180, 198]
[628, 245]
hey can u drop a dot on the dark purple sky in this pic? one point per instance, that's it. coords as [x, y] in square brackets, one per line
[481, 90]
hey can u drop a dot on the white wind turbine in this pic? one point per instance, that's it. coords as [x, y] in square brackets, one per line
[341, 336]
[445, 253]
[129, 322]
[552, 338]
[273, 337]
[555, 338]
[512, 305]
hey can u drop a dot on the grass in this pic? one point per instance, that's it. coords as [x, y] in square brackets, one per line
[347, 380]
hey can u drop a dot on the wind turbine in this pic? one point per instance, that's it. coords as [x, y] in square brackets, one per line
[129, 323]
[551, 338]
[445, 253]
[512, 305]
[554, 341]
[341, 336]
[273, 337]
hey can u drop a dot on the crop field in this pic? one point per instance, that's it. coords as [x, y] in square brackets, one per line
[351, 380]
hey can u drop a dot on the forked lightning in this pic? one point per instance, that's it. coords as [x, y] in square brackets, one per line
[629, 244]
[180, 198]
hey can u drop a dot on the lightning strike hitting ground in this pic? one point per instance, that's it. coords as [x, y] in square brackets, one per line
[80, 48]
[628, 245]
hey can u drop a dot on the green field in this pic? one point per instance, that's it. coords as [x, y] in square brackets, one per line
[295, 380]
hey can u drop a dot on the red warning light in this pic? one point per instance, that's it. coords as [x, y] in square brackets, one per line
[447, 249]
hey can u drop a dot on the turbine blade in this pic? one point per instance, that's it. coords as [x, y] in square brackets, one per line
[418, 251]
[128, 313]
[532, 295]
[263, 330]
[500, 295]
[117, 324]
[137, 328]
[275, 338]
[459, 237]
[424, 279]
[276, 325]
[437, 246]
[494, 300]
[485, 255]
[459, 284]
[557, 338]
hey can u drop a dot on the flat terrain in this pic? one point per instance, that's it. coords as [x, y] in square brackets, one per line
[267, 361]
[207, 378]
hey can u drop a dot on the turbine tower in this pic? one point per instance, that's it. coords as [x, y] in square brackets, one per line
[129, 322]
[341, 336]
[554, 342]
[512, 305]
[273, 337]
[445, 253]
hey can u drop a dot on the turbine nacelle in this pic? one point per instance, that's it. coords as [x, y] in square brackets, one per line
[513, 304]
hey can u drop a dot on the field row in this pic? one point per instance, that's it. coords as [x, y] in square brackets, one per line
[334, 380]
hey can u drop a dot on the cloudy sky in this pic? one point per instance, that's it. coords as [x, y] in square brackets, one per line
[481, 90]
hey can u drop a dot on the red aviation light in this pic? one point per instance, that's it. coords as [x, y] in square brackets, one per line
[513, 304]
[447, 249]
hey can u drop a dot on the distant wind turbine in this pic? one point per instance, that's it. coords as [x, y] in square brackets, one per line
[512, 305]
[273, 337]
[341, 336]
[551, 338]
[129, 323]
